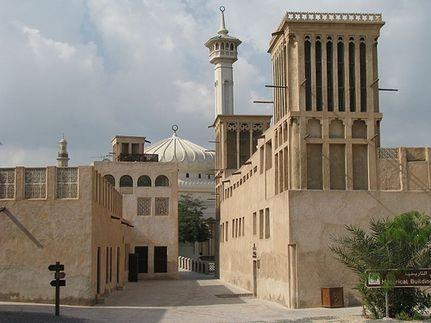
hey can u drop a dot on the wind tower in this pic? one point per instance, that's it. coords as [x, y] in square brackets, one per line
[223, 53]
[63, 156]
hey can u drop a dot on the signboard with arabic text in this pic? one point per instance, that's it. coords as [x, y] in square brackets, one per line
[403, 278]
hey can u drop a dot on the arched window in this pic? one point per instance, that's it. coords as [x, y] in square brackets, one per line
[314, 128]
[330, 74]
[352, 76]
[144, 180]
[359, 129]
[126, 181]
[110, 179]
[231, 46]
[318, 53]
[187, 175]
[216, 46]
[340, 73]
[336, 129]
[199, 176]
[363, 74]
[307, 58]
[162, 180]
[222, 46]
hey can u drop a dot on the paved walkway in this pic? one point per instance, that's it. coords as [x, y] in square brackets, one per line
[194, 298]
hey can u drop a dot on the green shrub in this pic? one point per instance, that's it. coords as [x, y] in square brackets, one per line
[399, 243]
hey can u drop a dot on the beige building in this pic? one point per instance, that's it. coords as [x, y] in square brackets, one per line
[65, 214]
[150, 202]
[285, 191]
[89, 218]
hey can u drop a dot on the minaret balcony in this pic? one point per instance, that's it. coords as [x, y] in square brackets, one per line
[223, 54]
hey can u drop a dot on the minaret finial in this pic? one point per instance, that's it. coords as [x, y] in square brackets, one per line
[222, 30]
[174, 129]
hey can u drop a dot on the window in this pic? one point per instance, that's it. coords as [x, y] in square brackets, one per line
[135, 149]
[144, 180]
[209, 176]
[243, 226]
[336, 129]
[162, 205]
[142, 253]
[307, 57]
[7, 183]
[126, 181]
[107, 265]
[227, 231]
[268, 155]
[162, 180]
[254, 223]
[318, 52]
[118, 265]
[160, 259]
[67, 183]
[187, 175]
[110, 179]
[330, 75]
[124, 148]
[352, 76]
[233, 228]
[363, 75]
[35, 183]
[260, 224]
[199, 176]
[359, 129]
[110, 264]
[267, 224]
[262, 158]
[144, 206]
[340, 73]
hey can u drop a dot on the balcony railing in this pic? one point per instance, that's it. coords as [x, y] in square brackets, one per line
[138, 157]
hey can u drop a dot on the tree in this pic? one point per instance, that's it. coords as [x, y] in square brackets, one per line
[192, 226]
[400, 243]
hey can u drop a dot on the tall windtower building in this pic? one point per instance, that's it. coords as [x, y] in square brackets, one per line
[63, 156]
[223, 53]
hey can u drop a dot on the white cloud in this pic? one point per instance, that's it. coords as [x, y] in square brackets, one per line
[94, 69]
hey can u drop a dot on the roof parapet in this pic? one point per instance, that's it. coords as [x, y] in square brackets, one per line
[299, 16]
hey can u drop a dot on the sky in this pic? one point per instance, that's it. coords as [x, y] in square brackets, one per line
[93, 69]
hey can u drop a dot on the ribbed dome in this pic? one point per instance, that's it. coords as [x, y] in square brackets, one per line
[188, 154]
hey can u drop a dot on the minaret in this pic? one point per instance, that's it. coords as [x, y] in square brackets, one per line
[63, 156]
[223, 53]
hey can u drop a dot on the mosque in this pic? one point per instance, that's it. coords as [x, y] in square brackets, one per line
[195, 178]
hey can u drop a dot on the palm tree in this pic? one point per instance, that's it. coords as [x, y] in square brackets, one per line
[399, 243]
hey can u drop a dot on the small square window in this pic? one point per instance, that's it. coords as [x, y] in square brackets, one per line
[162, 205]
[144, 206]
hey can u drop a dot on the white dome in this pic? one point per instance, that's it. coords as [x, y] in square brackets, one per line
[186, 153]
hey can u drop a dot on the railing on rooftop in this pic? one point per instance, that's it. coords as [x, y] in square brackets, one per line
[388, 153]
[138, 157]
[333, 17]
